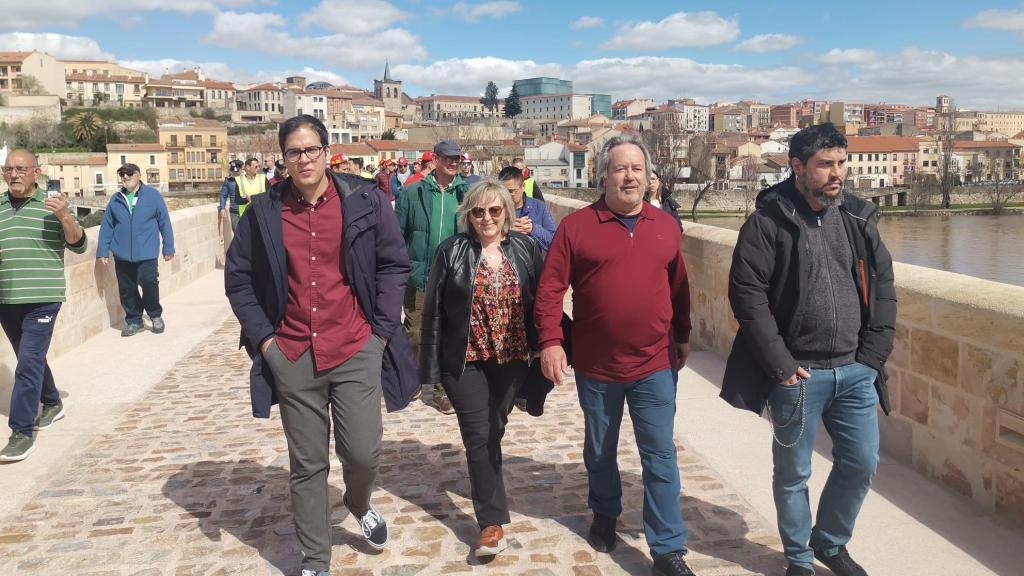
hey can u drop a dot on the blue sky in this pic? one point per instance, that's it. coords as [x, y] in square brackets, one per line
[773, 51]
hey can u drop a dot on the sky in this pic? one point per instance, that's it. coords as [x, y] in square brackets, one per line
[772, 51]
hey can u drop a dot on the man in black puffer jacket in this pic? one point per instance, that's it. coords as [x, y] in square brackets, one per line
[811, 287]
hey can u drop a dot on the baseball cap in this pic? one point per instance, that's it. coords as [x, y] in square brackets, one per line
[447, 148]
[428, 156]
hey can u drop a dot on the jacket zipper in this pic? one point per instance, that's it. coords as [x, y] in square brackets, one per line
[831, 291]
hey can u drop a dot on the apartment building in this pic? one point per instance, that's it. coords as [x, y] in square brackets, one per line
[541, 86]
[1009, 123]
[881, 161]
[260, 103]
[197, 153]
[303, 101]
[98, 83]
[728, 119]
[175, 91]
[787, 115]
[439, 107]
[555, 107]
[624, 109]
[219, 96]
[47, 70]
[367, 120]
[846, 116]
[559, 165]
[80, 173]
[150, 158]
[986, 161]
[757, 114]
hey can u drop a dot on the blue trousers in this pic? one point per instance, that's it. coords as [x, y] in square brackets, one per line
[130, 277]
[845, 399]
[652, 408]
[29, 327]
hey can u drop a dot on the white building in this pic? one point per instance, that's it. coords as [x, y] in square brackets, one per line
[555, 107]
[559, 165]
[774, 147]
[298, 102]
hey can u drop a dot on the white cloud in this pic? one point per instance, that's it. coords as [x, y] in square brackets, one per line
[59, 46]
[649, 76]
[585, 22]
[682, 29]
[848, 56]
[768, 43]
[495, 10]
[265, 33]
[70, 13]
[223, 71]
[917, 76]
[353, 16]
[1007, 20]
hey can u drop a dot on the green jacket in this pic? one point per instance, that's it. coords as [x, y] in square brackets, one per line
[424, 224]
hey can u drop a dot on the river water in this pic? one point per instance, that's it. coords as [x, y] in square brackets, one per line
[989, 247]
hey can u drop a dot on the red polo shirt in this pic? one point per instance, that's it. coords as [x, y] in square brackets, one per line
[322, 312]
[629, 292]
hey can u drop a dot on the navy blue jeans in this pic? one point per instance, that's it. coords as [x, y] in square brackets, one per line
[845, 399]
[29, 327]
[130, 277]
[652, 408]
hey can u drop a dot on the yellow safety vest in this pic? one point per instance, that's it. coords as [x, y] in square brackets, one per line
[528, 183]
[247, 189]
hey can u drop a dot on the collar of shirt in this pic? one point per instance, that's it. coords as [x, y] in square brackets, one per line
[295, 199]
[39, 196]
[604, 214]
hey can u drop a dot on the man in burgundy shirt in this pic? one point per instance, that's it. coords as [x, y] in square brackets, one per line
[631, 328]
[316, 276]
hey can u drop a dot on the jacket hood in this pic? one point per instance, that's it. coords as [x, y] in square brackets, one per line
[780, 195]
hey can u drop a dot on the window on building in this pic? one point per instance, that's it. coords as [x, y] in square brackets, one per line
[124, 160]
[152, 160]
[99, 178]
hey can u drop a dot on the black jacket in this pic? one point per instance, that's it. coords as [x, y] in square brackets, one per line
[376, 266]
[448, 300]
[766, 282]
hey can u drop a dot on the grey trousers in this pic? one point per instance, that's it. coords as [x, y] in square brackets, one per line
[352, 391]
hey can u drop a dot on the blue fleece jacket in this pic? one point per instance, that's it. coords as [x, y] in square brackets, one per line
[543, 224]
[134, 235]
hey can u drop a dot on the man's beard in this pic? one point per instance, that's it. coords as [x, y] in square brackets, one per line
[826, 200]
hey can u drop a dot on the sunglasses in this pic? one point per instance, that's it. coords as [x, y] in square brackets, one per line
[126, 174]
[494, 211]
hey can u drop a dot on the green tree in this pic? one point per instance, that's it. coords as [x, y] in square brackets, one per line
[388, 135]
[513, 107]
[490, 99]
[85, 126]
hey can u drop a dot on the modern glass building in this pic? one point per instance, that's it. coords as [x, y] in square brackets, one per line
[601, 104]
[541, 86]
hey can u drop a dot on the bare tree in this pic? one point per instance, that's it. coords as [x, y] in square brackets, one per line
[946, 135]
[703, 171]
[667, 143]
[1002, 193]
[31, 86]
[749, 182]
[923, 188]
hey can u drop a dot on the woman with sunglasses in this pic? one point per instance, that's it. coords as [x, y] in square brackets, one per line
[660, 196]
[477, 336]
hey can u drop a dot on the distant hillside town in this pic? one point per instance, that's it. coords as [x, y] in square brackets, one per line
[87, 118]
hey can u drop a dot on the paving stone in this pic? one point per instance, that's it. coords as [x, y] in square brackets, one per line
[188, 483]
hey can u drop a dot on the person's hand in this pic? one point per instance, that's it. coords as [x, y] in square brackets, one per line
[553, 364]
[58, 205]
[795, 379]
[683, 349]
[104, 260]
[266, 346]
[168, 257]
[527, 224]
[518, 225]
[222, 213]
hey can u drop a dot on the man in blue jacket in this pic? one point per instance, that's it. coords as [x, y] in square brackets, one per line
[135, 220]
[316, 276]
[532, 215]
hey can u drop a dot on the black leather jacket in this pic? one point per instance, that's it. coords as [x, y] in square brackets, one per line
[449, 299]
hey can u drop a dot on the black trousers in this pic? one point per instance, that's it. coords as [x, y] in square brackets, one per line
[130, 277]
[482, 399]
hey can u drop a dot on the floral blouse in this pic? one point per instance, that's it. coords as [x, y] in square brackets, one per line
[496, 325]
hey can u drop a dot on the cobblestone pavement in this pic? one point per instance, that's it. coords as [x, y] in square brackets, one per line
[189, 483]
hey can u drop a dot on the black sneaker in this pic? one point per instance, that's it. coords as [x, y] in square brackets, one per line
[132, 330]
[602, 533]
[375, 529]
[671, 564]
[158, 325]
[841, 563]
[798, 570]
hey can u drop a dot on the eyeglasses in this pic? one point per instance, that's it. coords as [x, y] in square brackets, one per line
[494, 211]
[312, 153]
[8, 170]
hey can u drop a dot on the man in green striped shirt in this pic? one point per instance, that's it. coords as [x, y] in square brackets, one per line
[35, 228]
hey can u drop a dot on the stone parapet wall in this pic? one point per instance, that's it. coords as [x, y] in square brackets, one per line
[92, 299]
[956, 375]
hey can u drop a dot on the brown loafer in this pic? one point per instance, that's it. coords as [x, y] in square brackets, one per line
[491, 541]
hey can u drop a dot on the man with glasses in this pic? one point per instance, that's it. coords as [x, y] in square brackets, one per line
[427, 213]
[466, 170]
[316, 277]
[35, 228]
[135, 220]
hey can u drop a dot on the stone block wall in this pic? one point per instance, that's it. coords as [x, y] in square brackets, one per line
[92, 301]
[956, 375]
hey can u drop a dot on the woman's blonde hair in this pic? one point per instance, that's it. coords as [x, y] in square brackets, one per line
[480, 193]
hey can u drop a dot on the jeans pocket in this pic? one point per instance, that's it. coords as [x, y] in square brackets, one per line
[786, 413]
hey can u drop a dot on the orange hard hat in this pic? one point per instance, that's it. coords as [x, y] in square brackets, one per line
[338, 159]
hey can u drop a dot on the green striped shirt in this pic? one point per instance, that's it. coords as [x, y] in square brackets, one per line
[32, 252]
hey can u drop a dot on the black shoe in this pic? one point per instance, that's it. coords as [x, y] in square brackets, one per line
[671, 564]
[841, 563]
[132, 330]
[798, 570]
[158, 325]
[375, 529]
[602, 533]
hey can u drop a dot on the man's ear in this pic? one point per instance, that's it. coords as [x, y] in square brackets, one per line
[796, 166]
